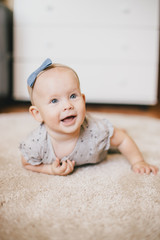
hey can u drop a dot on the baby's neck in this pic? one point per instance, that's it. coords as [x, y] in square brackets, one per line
[64, 144]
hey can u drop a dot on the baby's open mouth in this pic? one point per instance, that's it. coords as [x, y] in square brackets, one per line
[68, 119]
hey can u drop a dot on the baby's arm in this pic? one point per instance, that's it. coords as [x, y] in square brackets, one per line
[53, 169]
[130, 150]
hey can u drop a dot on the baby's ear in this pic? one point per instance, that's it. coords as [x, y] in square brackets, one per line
[35, 113]
[84, 97]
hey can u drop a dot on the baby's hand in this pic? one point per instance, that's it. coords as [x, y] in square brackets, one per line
[64, 169]
[143, 167]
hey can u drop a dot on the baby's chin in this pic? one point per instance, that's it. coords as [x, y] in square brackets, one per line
[70, 127]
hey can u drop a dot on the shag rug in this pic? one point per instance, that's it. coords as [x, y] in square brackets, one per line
[103, 201]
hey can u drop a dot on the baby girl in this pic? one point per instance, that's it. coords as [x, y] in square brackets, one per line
[67, 136]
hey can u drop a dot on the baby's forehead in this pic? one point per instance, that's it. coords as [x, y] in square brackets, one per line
[55, 72]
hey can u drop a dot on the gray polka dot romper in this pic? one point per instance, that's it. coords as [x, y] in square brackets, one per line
[91, 147]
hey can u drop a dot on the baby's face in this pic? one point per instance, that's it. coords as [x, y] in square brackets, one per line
[59, 100]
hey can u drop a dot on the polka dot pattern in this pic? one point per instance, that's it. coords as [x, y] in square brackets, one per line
[91, 146]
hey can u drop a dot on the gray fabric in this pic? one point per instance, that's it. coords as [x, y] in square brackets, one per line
[91, 147]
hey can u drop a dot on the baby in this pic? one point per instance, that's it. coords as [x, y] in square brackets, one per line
[67, 136]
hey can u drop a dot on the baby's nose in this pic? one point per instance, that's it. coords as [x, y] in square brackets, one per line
[67, 105]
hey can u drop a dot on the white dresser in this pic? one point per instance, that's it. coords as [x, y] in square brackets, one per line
[112, 44]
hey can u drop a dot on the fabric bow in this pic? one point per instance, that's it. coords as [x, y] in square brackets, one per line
[31, 79]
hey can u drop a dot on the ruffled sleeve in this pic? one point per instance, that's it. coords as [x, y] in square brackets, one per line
[109, 130]
[32, 148]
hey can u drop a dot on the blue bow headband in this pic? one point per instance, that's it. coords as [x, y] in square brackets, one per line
[32, 77]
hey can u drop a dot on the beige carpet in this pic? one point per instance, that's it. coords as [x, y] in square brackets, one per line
[104, 201]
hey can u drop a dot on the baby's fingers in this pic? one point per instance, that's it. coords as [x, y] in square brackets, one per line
[55, 166]
[72, 164]
[69, 168]
[154, 169]
[63, 167]
[57, 163]
[150, 168]
[66, 168]
[145, 169]
[135, 169]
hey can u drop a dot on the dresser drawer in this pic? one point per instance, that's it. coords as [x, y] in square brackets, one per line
[84, 12]
[21, 72]
[92, 44]
[117, 83]
[112, 83]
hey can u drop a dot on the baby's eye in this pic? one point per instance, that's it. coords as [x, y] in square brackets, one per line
[54, 100]
[73, 96]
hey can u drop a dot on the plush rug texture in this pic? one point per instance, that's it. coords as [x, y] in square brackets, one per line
[103, 201]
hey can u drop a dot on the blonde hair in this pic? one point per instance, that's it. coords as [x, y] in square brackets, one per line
[54, 65]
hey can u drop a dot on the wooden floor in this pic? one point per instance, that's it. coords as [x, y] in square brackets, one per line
[152, 111]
